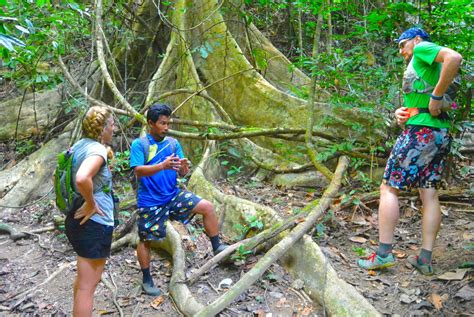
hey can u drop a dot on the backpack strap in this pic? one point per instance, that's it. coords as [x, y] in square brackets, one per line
[172, 141]
[414, 111]
[428, 87]
[145, 146]
[145, 143]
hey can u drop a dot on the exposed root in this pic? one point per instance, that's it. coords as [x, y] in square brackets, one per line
[24, 294]
[304, 261]
[113, 288]
[281, 248]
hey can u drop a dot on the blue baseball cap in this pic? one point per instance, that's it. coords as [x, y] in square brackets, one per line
[412, 33]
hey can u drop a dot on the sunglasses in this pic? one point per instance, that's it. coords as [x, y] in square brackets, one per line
[402, 43]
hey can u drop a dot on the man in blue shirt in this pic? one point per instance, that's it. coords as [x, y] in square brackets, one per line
[158, 197]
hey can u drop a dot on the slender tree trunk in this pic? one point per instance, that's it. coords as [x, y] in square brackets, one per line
[300, 33]
[329, 18]
[317, 32]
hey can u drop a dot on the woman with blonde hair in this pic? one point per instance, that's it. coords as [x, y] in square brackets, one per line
[89, 229]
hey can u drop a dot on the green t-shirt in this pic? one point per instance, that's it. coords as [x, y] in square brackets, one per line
[423, 62]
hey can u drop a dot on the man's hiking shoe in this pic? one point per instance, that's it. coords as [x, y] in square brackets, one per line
[149, 289]
[220, 248]
[425, 269]
[376, 262]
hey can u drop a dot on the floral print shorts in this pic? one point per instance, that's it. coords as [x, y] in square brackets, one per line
[152, 220]
[418, 158]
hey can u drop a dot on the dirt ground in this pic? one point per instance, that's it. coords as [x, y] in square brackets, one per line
[344, 236]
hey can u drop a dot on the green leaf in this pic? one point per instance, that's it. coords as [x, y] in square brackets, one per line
[30, 25]
[22, 29]
[9, 41]
[41, 3]
[124, 213]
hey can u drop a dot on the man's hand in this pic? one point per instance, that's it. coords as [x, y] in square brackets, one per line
[435, 107]
[184, 166]
[402, 115]
[86, 211]
[172, 162]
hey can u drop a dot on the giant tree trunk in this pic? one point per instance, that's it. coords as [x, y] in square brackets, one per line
[202, 55]
[28, 115]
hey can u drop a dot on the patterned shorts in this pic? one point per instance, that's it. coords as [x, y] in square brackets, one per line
[152, 220]
[418, 158]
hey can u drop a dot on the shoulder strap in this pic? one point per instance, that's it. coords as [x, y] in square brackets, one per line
[146, 147]
[172, 141]
[428, 87]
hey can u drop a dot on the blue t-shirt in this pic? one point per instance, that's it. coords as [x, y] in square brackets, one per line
[102, 181]
[159, 188]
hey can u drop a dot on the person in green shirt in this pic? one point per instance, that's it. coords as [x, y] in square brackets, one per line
[418, 157]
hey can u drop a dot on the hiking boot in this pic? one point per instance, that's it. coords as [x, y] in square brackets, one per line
[150, 289]
[220, 248]
[376, 262]
[425, 269]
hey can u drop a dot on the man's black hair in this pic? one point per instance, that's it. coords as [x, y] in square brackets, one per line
[157, 110]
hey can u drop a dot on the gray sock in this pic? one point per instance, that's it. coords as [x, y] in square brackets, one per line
[384, 249]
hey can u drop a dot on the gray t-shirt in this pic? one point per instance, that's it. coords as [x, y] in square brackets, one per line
[102, 181]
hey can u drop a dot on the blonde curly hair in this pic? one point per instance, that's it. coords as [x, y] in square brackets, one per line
[94, 122]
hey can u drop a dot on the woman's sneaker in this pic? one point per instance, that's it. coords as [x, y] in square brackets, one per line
[376, 262]
[425, 269]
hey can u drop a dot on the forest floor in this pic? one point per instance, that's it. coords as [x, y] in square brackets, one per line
[344, 236]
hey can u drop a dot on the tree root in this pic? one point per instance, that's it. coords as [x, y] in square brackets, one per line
[281, 248]
[113, 288]
[15, 235]
[304, 261]
[25, 294]
[182, 297]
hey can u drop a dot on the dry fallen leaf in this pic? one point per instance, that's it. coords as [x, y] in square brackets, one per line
[157, 302]
[399, 254]
[445, 211]
[359, 220]
[372, 273]
[453, 276]
[260, 313]
[468, 236]
[358, 239]
[436, 300]
[466, 293]
[307, 311]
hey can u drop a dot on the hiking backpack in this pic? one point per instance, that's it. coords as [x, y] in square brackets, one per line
[67, 199]
[448, 101]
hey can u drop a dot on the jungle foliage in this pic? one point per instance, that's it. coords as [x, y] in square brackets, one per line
[357, 61]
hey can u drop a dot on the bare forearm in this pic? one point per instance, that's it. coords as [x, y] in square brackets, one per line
[148, 170]
[85, 187]
[449, 70]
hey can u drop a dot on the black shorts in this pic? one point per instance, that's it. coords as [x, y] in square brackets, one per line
[91, 240]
